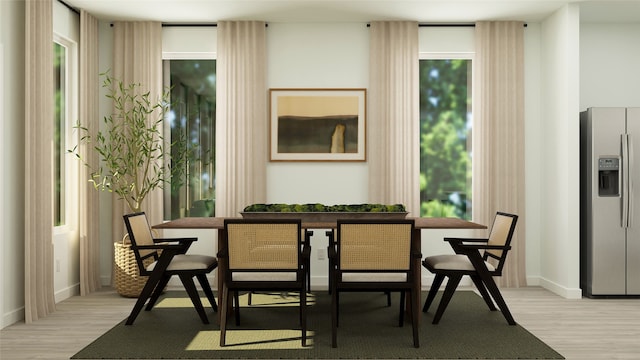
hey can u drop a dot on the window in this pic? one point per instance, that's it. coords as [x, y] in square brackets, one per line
[192, 117]
[445, 137]
[59, 139]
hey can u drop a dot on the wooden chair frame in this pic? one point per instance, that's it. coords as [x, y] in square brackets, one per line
[164, 251]
[230, 284]
[387, 244]
[479, 272]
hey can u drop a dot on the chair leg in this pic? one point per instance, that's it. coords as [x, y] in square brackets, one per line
[402, 300]
[157, 292]
[249, 297]
[303, 314]
[187, 281]
[150, 285]
[388, 297]
[435, 287]
[206, 287]
[452, 284]
[334, 318]
[495, 293]
[415, 319]
[236, 298]
[223, 315]
[483, 292]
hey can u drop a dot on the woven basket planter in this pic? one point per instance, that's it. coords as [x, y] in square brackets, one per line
[127, 279]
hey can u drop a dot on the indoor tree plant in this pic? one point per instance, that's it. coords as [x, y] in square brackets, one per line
[134, 157]
[134, 160]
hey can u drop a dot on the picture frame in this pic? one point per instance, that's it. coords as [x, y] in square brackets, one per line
[317, 124]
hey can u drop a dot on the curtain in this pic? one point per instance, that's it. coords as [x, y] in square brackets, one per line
[393, 146]
[241, 116]
[137, 58]
[498, 134]
[39, 115]
[89, 118]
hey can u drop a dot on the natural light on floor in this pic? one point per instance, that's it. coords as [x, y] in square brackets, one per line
[257, 300]
[251, 340]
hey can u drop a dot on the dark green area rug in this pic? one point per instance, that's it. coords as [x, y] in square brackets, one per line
[368, 330]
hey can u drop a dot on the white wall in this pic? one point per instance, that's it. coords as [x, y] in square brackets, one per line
[559, 167]
[12, 210]
[609, 65]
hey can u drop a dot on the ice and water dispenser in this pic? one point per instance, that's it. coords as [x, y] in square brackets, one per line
[608, 176]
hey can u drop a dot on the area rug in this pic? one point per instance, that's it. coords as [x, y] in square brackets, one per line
[368, 330]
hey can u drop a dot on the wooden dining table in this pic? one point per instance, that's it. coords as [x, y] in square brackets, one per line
[420, 223]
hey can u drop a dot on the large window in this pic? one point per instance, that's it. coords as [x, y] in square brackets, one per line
[445, 138]
[192, 117]
[59, 139]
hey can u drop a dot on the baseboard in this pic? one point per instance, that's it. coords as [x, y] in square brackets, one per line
[64, 294]
[12, 317]
[565, 292]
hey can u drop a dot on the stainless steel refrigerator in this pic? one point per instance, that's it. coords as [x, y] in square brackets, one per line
[610, 202]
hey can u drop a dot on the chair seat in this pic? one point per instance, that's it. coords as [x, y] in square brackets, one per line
[188, 262]
[452, 262]
[374, 277]
[263, 276]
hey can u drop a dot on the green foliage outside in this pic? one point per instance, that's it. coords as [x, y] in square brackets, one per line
[192, 116]
[445, 163]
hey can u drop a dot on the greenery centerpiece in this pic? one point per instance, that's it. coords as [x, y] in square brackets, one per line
[320, 212]
[134, 157]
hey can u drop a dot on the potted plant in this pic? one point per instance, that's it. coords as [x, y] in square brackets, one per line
[134, 160]
[134, 157]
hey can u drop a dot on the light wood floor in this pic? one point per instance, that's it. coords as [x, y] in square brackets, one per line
[578, 329]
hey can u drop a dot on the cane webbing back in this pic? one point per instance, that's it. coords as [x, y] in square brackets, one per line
[374, 246]
[263, 246]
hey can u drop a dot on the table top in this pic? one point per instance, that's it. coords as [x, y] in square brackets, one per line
[218, 223]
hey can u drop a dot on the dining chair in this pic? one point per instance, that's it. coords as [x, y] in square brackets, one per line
[480, 259]
[169, 259]
[263, 255]
[372, 256]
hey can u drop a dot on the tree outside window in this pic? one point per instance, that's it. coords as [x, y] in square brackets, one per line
[445, 138]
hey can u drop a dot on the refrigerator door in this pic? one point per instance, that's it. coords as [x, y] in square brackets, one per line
[606, 244]
[633, 232]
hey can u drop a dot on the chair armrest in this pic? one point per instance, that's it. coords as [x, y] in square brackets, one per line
[307, 236]
[463, 240]
[223, 253]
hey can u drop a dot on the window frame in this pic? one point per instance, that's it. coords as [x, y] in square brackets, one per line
[70, 169]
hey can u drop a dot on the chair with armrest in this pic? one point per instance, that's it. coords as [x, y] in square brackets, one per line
[263, 255]
[372, 256]
[169, 258]
[473, 257]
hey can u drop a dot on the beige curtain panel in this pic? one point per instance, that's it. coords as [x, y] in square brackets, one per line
[241, 116]
[39, 111]
[89, 118]
[137, 58]
[393, 149]
[498, 134]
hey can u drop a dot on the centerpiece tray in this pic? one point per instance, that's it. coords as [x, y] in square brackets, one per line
[323, 213]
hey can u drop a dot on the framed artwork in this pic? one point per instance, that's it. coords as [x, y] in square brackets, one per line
[317, 124]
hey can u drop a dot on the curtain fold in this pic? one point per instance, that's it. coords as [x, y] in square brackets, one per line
[137, 58]
[89, 214]
[241, 116]
[39, 115]
[393, 146]
[498, 134]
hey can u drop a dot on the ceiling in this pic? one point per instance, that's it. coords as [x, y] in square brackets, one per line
[428, 11]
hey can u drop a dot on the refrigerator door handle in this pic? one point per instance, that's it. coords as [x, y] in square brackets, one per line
[630, 204]
[626, 170]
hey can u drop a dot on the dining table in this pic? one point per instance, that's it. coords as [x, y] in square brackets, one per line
[420, 223]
